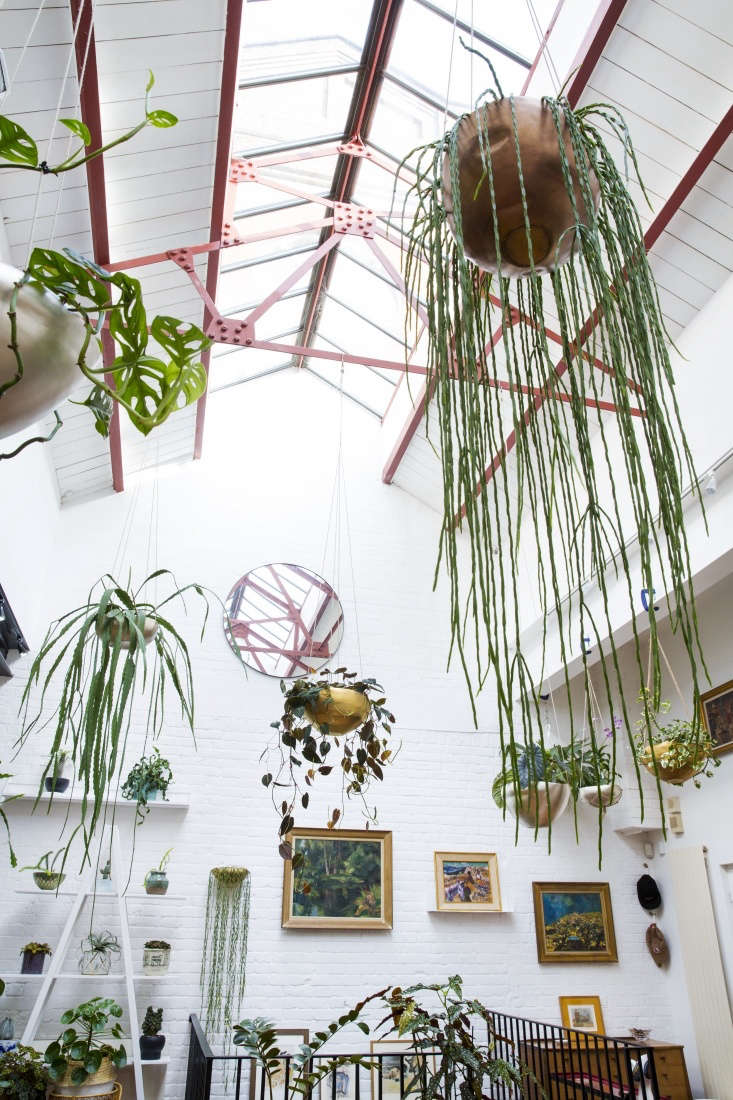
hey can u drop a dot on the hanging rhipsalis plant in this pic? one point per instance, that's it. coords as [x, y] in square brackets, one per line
[336, 711]
[524, 228]
[224, 958]
[114, 650]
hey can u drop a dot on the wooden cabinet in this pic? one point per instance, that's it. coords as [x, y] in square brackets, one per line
[603, 1070]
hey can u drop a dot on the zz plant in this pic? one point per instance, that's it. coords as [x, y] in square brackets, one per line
[82, 1046]
[304, 748]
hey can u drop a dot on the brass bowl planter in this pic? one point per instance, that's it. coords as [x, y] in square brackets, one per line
[541, 806]
[339, 709]
[678, 775]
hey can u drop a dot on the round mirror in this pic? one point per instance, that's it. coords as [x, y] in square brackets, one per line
[285, 620]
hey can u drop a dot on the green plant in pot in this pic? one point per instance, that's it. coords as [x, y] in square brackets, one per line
[674, 751]
[599, 780]
[151, 1041]
[23, 1074]
[34, 956]
[97, 949]
[156, 881]
[100, 657]
[44, 875]
[536, 783]
[53, 312]
[56, 782]
[337, 712]
[82, 1054]
[156, 957]
[148, 778]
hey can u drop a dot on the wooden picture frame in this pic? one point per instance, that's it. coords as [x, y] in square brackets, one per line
[586, 933]
[716, 708]
[367, 906]
[574, 1011]
[293, 1037]
[472, 885]
[390, 1074]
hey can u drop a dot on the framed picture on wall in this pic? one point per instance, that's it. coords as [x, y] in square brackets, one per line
[343, 881]
[582, 1014]
[340, 1083]
[467, 882]
[288, 1041]
[400, 1067]
[574, 922]
[717, 715]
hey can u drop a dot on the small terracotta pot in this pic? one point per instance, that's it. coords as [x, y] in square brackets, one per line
[604, 795]
[676, 776]
[341, 709]
[149, 629]
[549, 206]
[539, 808]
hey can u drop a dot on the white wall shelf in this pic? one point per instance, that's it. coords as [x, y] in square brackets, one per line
[133, 896]
[74, 976]
[470, 913]
[18, 795]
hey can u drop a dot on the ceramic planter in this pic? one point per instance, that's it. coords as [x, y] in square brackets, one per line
[32, 962]
[97, 1084]
[57, 785]
[149, 629]
[156, 882]
[341, 709]
[49, 338]
[48, 880]
[538, 808]
[93, 963]
[156, 960]
[676, 776]
[604, 795]
[151, 1047]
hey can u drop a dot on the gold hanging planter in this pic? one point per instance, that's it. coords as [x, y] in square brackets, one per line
[339, 709]
[675, 775]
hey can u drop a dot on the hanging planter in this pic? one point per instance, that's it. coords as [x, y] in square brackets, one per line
[536, 784]
[606, 794]
[675, 751]
[224, 956]
[57, 782]
[540, 807]
[662, 757]
[318, 717]
[110, 627]
[523, 226]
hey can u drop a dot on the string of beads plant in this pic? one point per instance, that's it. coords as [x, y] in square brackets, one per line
[224, 956]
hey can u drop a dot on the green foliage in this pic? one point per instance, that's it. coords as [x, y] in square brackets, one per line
[100, 681]
[101, 943]
[23, 1075]
[689, 744]
[46, 863]
[3, 817]
[224, 956]
[36, 948]
[301, 751]
[158, 945]
[567, 489]
[82, 1045]
[153, 1021]
[151, 773]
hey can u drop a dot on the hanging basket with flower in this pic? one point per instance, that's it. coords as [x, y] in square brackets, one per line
[675, 751]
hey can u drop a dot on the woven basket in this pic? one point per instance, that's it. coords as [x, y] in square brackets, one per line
[115, 1092]
[105, 1075]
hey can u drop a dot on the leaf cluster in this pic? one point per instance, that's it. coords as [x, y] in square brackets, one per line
[82, 1046]
[36, 948]
[158, 945]
[23, 1074]
[101, 943]
[150, 773]
[46, 863]
[152, 1021]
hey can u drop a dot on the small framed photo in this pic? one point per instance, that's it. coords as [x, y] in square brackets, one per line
[340, 1083]
[717, 715]
[289, 1040]
[467, 882]
[574, 922]
[582, 1014]
[401, 1068]
[343, 881]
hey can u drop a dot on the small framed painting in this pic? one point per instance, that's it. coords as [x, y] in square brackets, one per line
[344, 879]
[400, 1067]
[288, 1041]
[574, 922]
[340, 1083]
[582, 1014]
[467, 882]
[717, 716]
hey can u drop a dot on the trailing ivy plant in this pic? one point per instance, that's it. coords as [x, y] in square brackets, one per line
[150, 773]
[686, 744]
[302, 750]
[224, 956]
[581, 483]
[98, 657]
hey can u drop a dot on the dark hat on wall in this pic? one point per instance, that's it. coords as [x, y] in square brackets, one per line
[657, 945]
[648, 894]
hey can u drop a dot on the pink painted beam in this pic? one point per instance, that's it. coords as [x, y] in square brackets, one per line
[602, 27]
[542, 47]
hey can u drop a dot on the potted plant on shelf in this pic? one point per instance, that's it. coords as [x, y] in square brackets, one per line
[536, 783]
[156, 957]
[51, 315]
[23, 1074]
[104, 882]
[677, 750]
[82, 1054]
[156, 880]
[57, 782]
[34, 956]
[97, 950]
[44, 875]
[151, 1041]
[337, 711]
[147, 779]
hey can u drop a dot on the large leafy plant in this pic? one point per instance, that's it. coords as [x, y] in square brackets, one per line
[303, 750]
[23, 1074]
[83, 1044]
[150, 773]
[98, 656]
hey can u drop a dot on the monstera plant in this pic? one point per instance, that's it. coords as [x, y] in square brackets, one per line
[53, 313]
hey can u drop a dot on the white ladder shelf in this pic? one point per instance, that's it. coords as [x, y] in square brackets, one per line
[86, 890]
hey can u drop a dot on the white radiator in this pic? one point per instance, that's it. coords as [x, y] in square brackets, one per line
[706, 984]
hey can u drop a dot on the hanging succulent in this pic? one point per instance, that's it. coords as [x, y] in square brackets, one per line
[318, 715]
[523, 224]
[100, 653]
[224, 957]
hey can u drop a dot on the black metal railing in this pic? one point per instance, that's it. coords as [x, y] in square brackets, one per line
[556, 1063]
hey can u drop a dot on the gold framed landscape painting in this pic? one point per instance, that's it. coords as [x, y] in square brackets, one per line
[344, 879]
[574, 922]
[582, 1014]
[717, 715]
[467, 882]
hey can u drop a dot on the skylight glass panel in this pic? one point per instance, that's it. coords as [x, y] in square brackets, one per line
[296, 111]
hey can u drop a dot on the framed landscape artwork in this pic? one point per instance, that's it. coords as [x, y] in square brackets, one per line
[582, 1014]
[467, 882]
[288, 1041]
[400, 1067]
[343, 881]
[574, 922]
[717, 715]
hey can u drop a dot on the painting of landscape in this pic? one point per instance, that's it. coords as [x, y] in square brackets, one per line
[467, 880]
[342, 879]
[574, 922]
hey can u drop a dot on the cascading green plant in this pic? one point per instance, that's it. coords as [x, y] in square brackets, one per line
[224, 957]
[580, 486]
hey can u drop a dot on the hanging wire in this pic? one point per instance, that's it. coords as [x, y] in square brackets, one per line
[544, 46]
